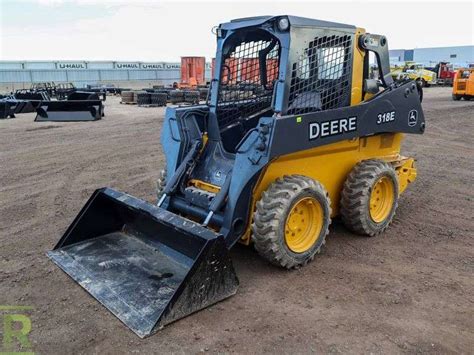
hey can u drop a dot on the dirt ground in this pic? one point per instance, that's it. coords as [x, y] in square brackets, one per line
[408, 291]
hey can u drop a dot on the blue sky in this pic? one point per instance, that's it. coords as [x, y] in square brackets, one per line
[160, 30]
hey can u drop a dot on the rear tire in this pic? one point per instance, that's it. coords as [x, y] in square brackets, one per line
[291, 221]
[457, 97]
[467, 98]
[369, 197]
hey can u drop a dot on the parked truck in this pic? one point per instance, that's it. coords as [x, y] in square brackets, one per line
[445, 73]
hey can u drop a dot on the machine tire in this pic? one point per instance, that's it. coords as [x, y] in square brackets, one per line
[356, 197]
[176, 97]
[203, 93]
[191, 97]
[467, 97]
[158, 99]
[271, 220]
[128, 97]
[457, 97]
[142, 98]
[161, 183]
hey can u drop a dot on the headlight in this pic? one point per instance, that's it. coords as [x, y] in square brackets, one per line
[217, 31]
[283, 24]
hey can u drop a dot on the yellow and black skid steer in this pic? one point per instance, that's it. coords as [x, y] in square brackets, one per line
[293, 133]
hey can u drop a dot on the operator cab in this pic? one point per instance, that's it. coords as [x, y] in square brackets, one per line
[253, 58]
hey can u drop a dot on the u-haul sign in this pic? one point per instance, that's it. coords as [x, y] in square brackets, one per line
[160, 66]
[153, 65]
[127, 66]
[172, 65]
[69, 65]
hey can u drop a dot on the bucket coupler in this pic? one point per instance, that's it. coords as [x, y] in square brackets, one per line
[73, 110]
[148, 266]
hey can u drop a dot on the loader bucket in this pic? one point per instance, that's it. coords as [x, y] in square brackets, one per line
[148, 266]
[74, 110]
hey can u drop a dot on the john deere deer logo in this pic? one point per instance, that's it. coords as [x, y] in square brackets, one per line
[412, 118]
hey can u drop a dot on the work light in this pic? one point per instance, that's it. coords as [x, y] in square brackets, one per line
[283, 24]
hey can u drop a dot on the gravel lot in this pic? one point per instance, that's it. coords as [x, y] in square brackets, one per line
[410, 290]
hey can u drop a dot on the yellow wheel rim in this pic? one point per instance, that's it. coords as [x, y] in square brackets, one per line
[381, 199]
[303, 225]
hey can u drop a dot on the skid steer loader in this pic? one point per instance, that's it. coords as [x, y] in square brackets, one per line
[293, 134]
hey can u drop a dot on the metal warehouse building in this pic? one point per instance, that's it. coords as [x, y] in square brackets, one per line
[459, 56]
[21, 74]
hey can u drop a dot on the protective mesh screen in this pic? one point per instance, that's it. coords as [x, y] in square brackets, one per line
[321, 78]
[243, 91]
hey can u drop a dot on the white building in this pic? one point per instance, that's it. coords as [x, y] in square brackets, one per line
[459, 56]
[21, 74]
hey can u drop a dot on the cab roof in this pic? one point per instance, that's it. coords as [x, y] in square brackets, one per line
[294, 21]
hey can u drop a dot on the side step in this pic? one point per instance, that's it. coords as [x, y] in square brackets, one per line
[148, 266]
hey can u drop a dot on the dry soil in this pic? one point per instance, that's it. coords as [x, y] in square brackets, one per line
[407, 291]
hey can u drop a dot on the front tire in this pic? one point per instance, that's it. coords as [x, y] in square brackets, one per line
[291, 221]
[369, 197]
[457, 97]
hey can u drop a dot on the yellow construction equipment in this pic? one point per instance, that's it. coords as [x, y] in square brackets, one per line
[463, 86]
[293, 134]
[414, 71]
